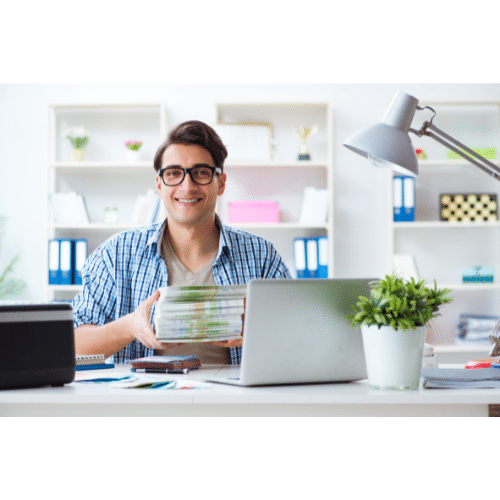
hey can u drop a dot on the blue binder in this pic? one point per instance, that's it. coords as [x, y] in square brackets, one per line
[312, 257]
[54, 262]
[404, 198]
[80, 251]
[323, 256]
[66, 261]
[299, 254]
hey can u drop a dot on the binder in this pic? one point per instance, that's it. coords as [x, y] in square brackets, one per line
[54, 267]
[408, 198]
[299, 253]
[404, 198]
[323, 256]
[79, 257]
[397, 197]
[312, 257]
[65, 261]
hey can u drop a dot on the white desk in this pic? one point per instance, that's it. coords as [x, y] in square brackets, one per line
[218, 400]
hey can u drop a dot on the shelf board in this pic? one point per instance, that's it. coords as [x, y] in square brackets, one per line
[452, 163]
[277, 225]
[444, 224]
[99, 226]
[275, 164]
[65, 288]
[471, 287]
[101, 165]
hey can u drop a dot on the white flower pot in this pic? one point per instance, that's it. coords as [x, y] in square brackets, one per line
[393, 357]
[132, 155]
[78, 155]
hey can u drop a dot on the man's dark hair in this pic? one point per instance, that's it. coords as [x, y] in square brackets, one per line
[194, 132]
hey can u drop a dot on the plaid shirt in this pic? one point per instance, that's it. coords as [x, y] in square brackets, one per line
[128, 268]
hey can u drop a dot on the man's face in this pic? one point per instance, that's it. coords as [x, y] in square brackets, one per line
[189, 203]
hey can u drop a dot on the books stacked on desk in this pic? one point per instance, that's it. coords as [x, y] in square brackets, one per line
[92, 362]
[199, 313]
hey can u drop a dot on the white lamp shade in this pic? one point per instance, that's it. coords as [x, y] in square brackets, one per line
[387, 143]
[385, 146]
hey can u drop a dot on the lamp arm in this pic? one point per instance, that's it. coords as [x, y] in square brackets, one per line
[484, 164]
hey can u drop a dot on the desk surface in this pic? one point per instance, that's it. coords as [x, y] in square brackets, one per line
[336, 399]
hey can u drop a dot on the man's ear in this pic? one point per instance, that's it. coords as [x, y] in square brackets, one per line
[222, 184]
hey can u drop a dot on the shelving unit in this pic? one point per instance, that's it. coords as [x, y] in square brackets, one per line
[105, 177]
[443, 249]
[282, 177]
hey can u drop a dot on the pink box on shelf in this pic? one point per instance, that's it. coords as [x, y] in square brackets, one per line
[252, 211]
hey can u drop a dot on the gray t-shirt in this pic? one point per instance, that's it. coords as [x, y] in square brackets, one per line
[180, 276]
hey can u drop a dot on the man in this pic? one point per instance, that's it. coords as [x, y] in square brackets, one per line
[112, 313]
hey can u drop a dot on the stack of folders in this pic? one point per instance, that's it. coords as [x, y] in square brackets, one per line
[68, 208]
[311, 257]
[475, 329]
[404, 198]
[146, 208]
[92, 362]
[66, 260]
[199, 313]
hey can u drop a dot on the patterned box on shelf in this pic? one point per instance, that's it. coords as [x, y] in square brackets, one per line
[252, 211]
[469, 207]
[478, 274]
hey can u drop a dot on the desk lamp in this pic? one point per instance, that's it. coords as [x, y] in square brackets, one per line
[388, 144]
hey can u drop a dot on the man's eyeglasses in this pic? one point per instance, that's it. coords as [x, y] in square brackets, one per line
[173, 175]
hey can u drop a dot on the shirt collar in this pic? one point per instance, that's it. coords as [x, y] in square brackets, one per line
[157, 237]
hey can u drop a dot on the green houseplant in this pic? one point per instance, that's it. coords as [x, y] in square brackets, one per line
[394, 320]
[79, 139]
[10, 287]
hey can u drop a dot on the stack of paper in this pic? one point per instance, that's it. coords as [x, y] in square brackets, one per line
[199, 313]
[461, 378]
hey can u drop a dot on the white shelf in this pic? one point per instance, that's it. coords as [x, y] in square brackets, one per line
[101, 165]
[442, 250]
[279, 225]
[280, 178]
[445, 225]
[106, 177]
[451, 163]
[276, 164]
[94, 226]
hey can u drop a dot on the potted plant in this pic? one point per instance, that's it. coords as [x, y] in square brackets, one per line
[79, 139]
[394, 320]
[133, 153]
[10, 287]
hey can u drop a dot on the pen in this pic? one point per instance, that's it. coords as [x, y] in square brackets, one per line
[153, 370]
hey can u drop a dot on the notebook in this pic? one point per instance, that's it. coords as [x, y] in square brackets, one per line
[296, 332]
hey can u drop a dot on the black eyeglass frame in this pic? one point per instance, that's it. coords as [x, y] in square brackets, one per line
[185, 171]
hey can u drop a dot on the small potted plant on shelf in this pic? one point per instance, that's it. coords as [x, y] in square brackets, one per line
[394, 320]
[79, 139]
[133, 153]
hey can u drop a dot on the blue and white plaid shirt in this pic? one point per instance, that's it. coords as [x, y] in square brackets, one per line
[128, 268]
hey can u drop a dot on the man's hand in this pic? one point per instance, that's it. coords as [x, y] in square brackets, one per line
[140, 325]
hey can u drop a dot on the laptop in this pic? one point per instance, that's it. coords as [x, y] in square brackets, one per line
[297, 332]
[37, 345]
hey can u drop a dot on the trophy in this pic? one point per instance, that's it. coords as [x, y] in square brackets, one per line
[303, 133]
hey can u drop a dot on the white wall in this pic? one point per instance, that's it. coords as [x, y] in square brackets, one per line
[360, 189]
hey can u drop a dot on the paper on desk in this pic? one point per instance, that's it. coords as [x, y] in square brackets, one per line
[461, 378]
[146, 381]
